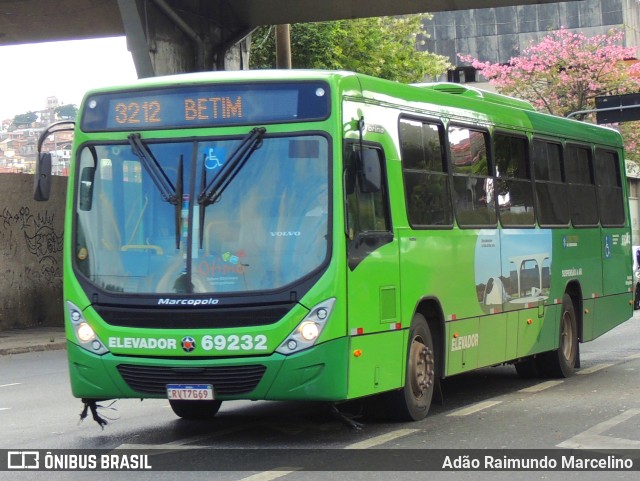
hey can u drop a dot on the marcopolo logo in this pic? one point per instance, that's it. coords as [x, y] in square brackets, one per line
[166, 301]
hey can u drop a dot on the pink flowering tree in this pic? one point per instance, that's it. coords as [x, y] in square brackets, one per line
[565, 72]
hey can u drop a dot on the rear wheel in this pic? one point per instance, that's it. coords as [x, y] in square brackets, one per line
[195, 409]
[412, 402]
[562, 361]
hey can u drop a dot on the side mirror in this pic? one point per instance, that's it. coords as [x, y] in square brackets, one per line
[42, 179]
[370, 171]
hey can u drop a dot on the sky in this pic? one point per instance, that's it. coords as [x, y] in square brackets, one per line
[65, 70]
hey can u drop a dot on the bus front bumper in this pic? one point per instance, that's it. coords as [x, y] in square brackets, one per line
[318, 373]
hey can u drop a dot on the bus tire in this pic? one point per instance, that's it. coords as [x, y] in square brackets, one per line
[562, 361]
[197, 410]
[412, 402]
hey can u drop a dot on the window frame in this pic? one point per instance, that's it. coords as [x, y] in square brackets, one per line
[561, 183]
[571, 186]
[445, 172]
[617, 186]
[357, 246]
[484, 130]
[528, 179]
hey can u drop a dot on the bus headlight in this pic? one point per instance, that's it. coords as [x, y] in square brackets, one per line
[85, 335]
[308, 331]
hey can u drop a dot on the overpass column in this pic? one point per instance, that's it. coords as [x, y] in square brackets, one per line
[164, 40]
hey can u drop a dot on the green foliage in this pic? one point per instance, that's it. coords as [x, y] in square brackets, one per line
[384, 47]
[24, 120]
[67, 112]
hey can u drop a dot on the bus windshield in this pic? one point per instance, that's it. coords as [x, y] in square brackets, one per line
[266, 229]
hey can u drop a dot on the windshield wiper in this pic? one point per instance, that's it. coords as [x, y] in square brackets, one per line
[168, 191]
[248, 145]
[212, 191]
[154, 169]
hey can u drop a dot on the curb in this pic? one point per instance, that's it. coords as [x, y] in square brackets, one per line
[53, 346]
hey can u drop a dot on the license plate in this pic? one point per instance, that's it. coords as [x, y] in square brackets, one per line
[190, 392]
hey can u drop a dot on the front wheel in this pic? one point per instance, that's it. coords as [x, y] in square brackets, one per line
[412, 402]
[201, 410]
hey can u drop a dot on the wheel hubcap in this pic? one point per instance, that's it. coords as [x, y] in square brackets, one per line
[422, 368]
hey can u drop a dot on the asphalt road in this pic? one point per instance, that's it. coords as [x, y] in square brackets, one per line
[599, 408]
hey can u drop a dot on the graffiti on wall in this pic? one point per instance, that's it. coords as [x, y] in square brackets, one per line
[23, 233]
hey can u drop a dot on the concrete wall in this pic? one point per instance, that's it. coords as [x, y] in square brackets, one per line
[30, 253]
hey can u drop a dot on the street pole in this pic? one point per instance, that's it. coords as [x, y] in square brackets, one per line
[283, 47]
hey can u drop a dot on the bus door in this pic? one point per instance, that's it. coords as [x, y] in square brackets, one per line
[373, 295]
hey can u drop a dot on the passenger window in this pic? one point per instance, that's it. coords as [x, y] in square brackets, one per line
[426, 180]
[550, 190]
[582, 190]
[609, 186]
[473, 189]
[513, 184]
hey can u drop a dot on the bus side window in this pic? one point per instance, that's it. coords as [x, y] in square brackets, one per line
[515, 195]
[610, 195]
[582, 189]
[552, 207]
[424, 170]
[473, 187]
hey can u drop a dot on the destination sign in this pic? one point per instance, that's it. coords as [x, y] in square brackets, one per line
[206, 106]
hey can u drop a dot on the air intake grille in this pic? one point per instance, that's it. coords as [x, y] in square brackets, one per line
[226, 380]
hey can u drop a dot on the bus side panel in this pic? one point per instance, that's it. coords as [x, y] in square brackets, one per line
[436, 264]
[537, 333]
[616, 261]
[578, 259]
[374, 363]
[611, 311]
[463, 340]
[494, 333]
[617, 304]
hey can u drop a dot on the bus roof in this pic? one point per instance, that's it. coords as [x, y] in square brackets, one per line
[457, 102]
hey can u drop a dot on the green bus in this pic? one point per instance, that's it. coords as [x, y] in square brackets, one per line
[329, 236]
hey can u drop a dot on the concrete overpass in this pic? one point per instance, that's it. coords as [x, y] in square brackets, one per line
[172, 36]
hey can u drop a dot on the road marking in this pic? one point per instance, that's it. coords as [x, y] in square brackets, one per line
[157, 449]
[383, 438]
[592, 438]
[12, 384]
[596, 368]
[633, 356]
[474, 408]
[269, 475]
[541, 387]
[184, 442]
[4, 409]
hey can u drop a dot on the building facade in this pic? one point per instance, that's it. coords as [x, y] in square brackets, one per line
[498, 34]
